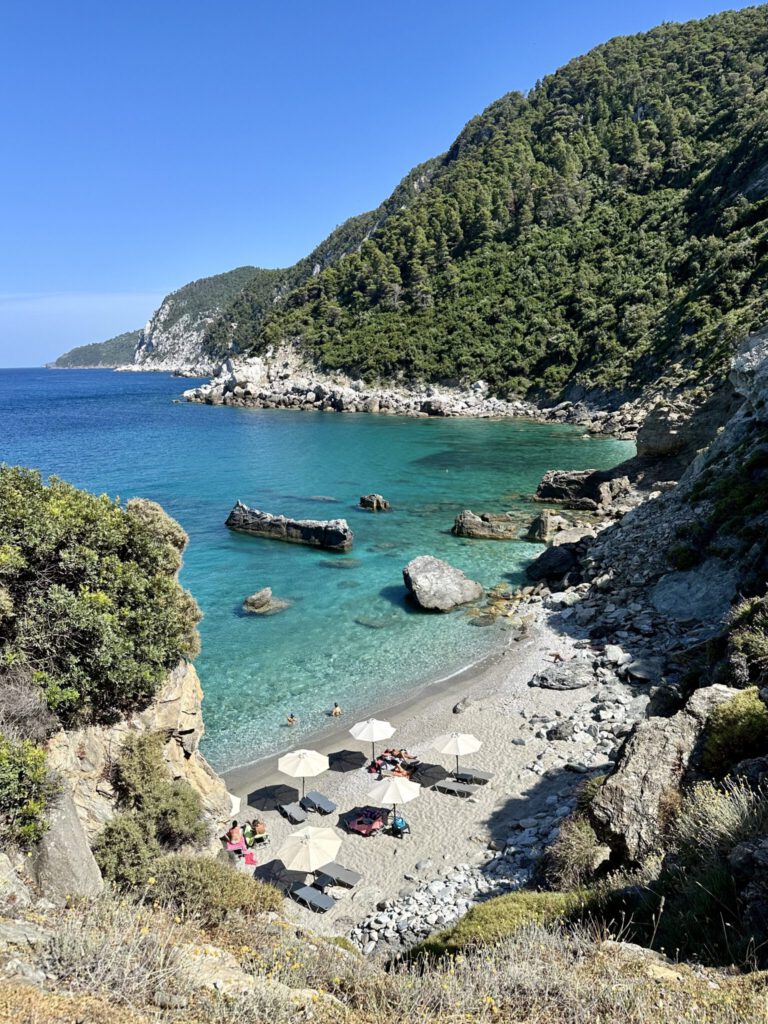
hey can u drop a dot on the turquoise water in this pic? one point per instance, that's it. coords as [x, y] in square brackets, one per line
[348, 634]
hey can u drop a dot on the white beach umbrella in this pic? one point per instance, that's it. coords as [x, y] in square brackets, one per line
[395, 790]
[458, 744]
[310, 848]
[303, 764]
[372, 729]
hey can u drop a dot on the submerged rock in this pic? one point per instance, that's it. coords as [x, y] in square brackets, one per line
[263, 603]
[332, 534]
[438, 586]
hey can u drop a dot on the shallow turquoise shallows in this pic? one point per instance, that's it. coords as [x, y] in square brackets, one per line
[348, 634]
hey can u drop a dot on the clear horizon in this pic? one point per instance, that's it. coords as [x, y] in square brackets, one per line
[152, 147]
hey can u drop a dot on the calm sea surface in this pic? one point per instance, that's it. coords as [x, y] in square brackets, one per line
[348, 634]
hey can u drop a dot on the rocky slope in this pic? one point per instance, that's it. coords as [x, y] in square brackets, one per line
[173, 339]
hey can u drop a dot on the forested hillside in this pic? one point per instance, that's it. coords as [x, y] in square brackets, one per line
[603, 229]
[116, 351]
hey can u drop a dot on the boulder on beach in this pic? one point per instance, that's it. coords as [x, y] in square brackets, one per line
[263, 603]
[374, 503]
[438, 586]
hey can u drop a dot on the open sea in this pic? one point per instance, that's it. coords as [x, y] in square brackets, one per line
[348, 634]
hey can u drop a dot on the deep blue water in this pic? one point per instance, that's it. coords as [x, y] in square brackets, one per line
[348, 634]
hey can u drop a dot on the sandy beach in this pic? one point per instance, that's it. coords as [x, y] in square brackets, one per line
[445, 830]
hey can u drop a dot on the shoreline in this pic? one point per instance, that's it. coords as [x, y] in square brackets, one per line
[334, 732]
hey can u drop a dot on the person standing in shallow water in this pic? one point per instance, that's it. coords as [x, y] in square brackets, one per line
[336, 711]
[291, 719]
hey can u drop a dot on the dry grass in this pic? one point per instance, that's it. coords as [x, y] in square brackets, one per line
[117, 953]
[714, 818]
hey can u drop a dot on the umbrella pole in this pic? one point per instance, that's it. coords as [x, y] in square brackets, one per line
[457, 765]
[373, 751]
[302, 787]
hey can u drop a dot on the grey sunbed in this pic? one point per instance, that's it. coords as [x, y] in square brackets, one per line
[294, 812]
[473, 775]
[456, 788]
[337, 874]
[315, 801]
[313, 898]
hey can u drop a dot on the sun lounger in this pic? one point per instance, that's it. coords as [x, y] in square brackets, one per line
[336, 874]
[473, 775]
[315, 801]
[456, 788]
[294, 812]
[313, 898]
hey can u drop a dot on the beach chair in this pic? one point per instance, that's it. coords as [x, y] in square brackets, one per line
[336, 874]
[456, 788]
[473, 775]
[315, 801]
[294, 812]
[313, 898]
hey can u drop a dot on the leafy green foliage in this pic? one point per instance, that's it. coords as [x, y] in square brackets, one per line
[95, 610]
[143, 784]
[736, 730]
[25, 789]
[612, 222]
[116, 351]
[127, 850]
[157, 814]
[208, 891]
[205, 296]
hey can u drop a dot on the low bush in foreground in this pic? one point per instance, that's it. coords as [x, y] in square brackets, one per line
[498, 918]
[736, 730]
[574, 856]
[207, 891]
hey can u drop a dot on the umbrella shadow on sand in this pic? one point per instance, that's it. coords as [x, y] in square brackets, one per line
[346, 760]
[277, 874]
[428, 774]
[269, 798]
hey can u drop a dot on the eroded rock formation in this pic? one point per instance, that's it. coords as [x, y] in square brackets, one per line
[487, 525]
[331, 534]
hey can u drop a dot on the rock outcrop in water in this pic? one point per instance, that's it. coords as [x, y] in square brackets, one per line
[438, 586]
[487, 525]
[331, 534]
[374, 503]
[263, 603]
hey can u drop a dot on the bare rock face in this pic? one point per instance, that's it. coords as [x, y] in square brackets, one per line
[84, 756]
[585, 489]
[704, 593]
[487, 525]
[331, 534]
[63, 864]
[374, 502]
[629, 809]
[662, 432]
[438, 586]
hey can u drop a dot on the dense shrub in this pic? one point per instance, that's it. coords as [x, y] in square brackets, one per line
[207, 890]
[25, 788]
[748, 641]
[713, 819]
[127, 850]
[24, 713]
[735, 730]
[143, 784]
[96, 608]
[157, 814]
[499, 918]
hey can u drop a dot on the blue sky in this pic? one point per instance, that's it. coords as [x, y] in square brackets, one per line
[151, 143]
